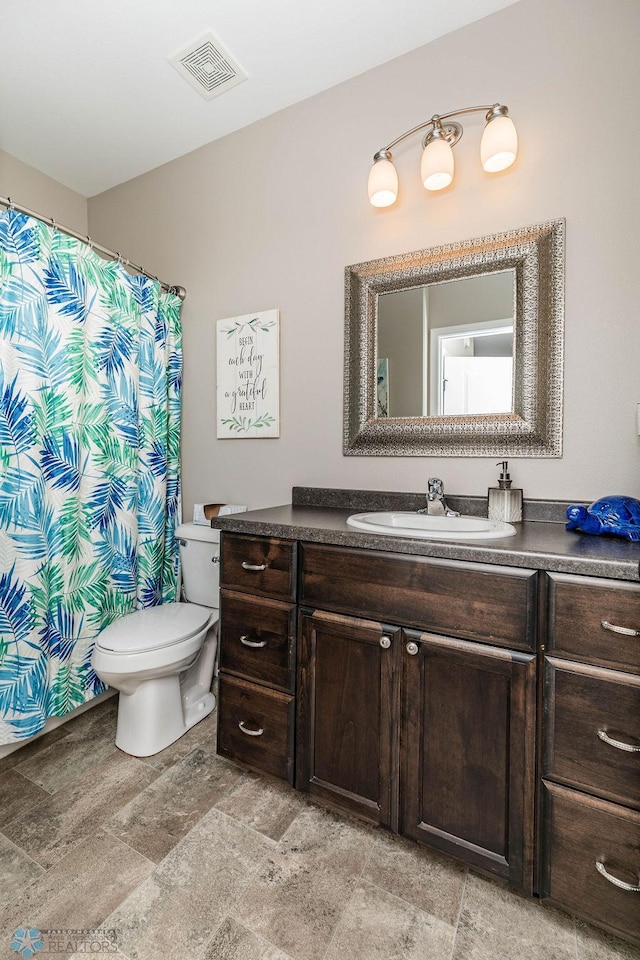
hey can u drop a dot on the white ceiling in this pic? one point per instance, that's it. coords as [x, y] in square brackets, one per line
[88, 96]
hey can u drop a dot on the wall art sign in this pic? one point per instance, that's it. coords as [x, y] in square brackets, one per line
[248, 391]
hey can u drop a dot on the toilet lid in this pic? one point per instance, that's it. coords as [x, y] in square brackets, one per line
[154, 627]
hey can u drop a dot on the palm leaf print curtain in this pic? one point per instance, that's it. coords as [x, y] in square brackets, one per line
[90, 383]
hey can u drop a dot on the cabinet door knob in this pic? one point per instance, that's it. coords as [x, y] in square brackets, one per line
[244, 640]
[618, 744]
[412, 648]
[626, 631]
[630, 887]
[251, 733]
[385, 642]
[258, 567]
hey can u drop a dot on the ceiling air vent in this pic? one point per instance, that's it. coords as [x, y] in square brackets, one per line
[208, 67]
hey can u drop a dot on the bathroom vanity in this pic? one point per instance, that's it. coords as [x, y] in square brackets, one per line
[483, 698]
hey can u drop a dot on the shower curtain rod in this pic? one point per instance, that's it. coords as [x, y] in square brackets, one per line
[170, 288]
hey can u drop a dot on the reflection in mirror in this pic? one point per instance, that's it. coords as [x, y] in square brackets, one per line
[458, 350]
[447, 348]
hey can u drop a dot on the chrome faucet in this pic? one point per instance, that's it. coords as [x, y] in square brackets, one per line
[436, 503]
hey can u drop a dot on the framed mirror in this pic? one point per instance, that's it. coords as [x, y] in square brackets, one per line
[458, 350]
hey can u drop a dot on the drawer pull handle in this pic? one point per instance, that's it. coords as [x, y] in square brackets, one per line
[412, 648]
[257, 567]
[626, 631]
[251, 733]
[618, 744]
[385, 642]
[252, 643]
[629, 887]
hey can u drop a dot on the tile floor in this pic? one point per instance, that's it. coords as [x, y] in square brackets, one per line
[186, 856]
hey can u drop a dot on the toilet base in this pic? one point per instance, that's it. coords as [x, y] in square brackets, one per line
[152, 718]
[199, 710]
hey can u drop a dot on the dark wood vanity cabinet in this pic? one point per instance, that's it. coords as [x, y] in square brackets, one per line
[468, 764]
[256, 694]
[347, 730]
[410, 686]
[430, 735]
[591, 753]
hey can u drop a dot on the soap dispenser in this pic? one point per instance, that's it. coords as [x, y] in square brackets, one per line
[505, 503]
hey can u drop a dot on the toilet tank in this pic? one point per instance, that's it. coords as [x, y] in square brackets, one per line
[200, 562]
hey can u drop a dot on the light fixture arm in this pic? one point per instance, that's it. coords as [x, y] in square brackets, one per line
[491, 110]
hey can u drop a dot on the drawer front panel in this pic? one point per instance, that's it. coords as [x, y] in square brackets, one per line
[255, 726]
[259, 565]
[579, 833]
[578, 606]
[470, 600]
[593, 729]
[257, 640]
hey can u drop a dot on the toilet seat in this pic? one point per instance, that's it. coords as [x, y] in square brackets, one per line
[153, 628]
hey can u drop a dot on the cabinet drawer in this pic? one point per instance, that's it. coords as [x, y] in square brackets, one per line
[581, 831]
[469, 600]
[255, 726]
[257, 640]
[586, 704]
[259, 565]
[578, 608]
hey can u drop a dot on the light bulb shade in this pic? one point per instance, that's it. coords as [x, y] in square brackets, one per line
[383, 183]
[436, 168]
[499, 145]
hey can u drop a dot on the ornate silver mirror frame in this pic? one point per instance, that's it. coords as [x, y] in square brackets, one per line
[534, 428]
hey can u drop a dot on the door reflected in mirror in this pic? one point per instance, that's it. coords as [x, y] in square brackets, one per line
[447, 349]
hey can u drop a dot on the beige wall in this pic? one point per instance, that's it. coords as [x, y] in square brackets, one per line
[270, 216]
[29, 188]
[472, 300]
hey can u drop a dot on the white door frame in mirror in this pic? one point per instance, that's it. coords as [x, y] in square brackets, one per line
[440, 336]
[534, 427]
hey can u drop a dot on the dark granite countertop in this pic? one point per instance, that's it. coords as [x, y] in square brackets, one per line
[541, 544]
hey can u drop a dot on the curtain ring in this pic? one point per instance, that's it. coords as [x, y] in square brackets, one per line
[12, 205]
[89, 242]
[53, 222]
[119, 258]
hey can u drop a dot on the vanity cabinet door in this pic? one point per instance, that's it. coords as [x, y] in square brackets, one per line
[467, 773]
[347, 714]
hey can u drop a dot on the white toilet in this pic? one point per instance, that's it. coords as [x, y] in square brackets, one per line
[161, 659]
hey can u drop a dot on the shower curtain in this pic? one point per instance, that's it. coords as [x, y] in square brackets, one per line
[90, 383]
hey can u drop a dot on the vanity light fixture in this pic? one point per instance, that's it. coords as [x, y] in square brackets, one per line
[498, 150]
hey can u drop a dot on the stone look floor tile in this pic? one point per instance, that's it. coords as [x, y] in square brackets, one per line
[232, 889]
[17, 871]
[175, 911]
[267, 806]
[31, 747]
[17, 795]
[416, 874]
[202, 735]
[48, 831]
[163, 813]
[234, 942]
[594, 944]
[378, 926]
[85, 745]
[79, 892]
[332, 840]
[497, 924]
[296, 900]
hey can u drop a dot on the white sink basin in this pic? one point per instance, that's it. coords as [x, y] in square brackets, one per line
[402, 524]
